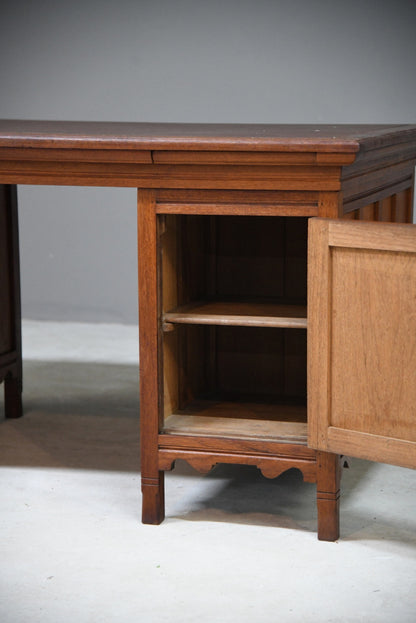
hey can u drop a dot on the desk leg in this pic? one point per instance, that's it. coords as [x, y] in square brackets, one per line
[10, 314]
[153, 508]
[328, 494]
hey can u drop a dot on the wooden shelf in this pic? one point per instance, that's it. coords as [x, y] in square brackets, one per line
[283, 423]
[239, 314]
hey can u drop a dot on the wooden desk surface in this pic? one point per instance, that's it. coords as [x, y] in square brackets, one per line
[193, 136]
[205, 156]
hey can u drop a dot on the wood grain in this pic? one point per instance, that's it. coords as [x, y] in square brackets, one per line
[243, 209]
[362, 322]
[318, 334]
[206, 425]
[328, 477]
[116, 174]
[270, 467]
[224, 198]
[383, 449]
[152, 477]
[222, 137]
[231, 445]
[373, 299]
[372, 236]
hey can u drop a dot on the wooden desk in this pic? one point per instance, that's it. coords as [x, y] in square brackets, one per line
[240, 360]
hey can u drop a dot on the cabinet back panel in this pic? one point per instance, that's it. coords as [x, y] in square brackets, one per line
[196, 362]
[252, 257]
[296, 273]
[261, 257]
[266, 363]
[195, 260]
[234, 363]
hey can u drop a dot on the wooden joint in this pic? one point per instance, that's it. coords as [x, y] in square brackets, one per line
[328, 495]
[168, 327]
[150, 482]
[162, 224]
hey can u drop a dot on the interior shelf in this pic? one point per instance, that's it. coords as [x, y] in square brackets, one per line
[282, 423]
[243, 314]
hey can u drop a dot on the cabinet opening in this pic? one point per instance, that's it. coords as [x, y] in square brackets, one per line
[233, 319]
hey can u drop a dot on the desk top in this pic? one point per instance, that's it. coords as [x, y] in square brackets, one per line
[206, 156]
[201, 137]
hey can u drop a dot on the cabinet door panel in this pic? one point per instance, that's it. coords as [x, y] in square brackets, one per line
[362, 340]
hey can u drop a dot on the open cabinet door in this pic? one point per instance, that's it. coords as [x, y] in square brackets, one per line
[362, 340]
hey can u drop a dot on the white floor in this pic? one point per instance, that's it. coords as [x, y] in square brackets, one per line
[234, 546]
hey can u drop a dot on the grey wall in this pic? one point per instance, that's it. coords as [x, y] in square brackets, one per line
[215, 60]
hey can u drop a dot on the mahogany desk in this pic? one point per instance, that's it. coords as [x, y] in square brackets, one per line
[240, 361]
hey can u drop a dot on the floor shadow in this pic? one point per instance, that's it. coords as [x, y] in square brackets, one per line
[81, 388]
[86, 416]
[244, 495]
[76, 415]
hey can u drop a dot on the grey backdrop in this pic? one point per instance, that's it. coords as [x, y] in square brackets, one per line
[211, 61]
